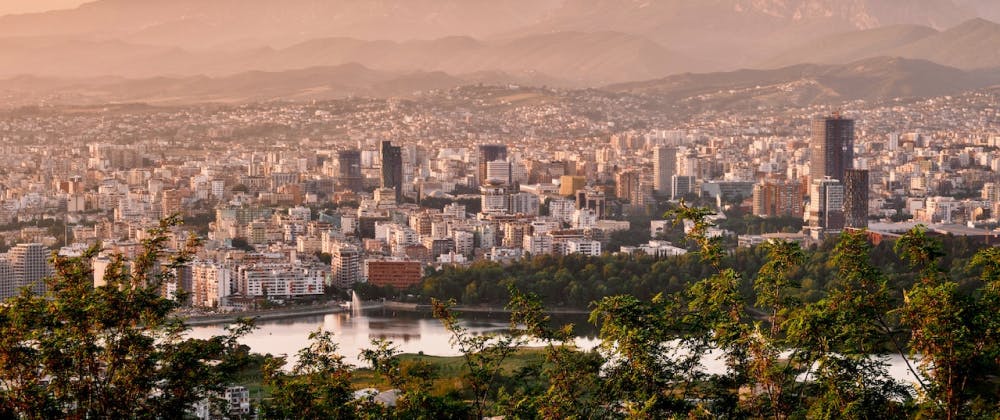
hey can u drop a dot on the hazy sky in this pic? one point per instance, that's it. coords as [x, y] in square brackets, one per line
[27, 6]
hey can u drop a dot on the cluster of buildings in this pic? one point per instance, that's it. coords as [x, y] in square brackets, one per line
[294, 198]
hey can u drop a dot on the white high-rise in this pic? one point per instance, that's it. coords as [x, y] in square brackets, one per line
[826, 205]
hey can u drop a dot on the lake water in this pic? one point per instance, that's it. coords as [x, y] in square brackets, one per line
[414, 333]
[410, 332]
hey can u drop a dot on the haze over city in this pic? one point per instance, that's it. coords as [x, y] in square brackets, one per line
[481, 209]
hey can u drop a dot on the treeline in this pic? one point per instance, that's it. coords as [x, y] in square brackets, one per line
[575, 281]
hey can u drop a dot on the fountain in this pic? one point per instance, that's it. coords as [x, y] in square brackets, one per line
[355, 304]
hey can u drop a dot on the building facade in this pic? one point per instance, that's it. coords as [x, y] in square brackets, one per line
[856, 198]
[664, 168]
[392, 168]
[831, 147]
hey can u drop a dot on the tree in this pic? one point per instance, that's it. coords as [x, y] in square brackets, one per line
[414, 378]
[318, 385]
[774, 285]
[843, 336]
[483, 354]
[112, 351]
[955, 333]
[573, 376]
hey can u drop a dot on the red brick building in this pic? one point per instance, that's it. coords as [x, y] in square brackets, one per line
[398, 274]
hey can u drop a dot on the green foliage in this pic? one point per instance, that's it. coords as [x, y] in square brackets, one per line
[318, 385]
[113, 351]
[954, 332]
[574, 383]
[414, 378]
[484, 354]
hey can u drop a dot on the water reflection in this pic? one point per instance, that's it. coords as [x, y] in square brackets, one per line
[411, 332]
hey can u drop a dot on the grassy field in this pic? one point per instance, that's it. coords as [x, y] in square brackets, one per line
[450, 370]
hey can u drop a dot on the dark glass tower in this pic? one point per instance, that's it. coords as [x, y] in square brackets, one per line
[832, 147]
[392, 168]
[349, 174]
[856, 198]
[489, 153]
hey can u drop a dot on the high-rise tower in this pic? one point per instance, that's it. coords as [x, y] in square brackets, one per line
[832, 147]
[392, 168]
[349, 174]
[856, 198]
[664, 168]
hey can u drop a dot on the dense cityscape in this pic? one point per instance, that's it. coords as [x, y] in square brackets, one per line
[387, 188]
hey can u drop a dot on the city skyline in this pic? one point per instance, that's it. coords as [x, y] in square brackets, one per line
[698, 189]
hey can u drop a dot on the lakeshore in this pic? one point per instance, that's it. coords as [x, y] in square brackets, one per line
[263, 314]
[423, 308]
[331, 308]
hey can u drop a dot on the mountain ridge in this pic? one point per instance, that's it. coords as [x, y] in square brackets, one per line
[969, 45]
[580, 42]
[878, 78]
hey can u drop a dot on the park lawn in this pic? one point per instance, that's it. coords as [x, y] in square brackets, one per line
[451, 369]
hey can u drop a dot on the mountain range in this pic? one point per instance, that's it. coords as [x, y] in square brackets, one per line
[877, 78]
[800, 85]
[569, 43]
[974, 44]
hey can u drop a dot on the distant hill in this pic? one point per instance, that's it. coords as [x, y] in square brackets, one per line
[973, 44]
[582, 42]
[572, 58]
[317, 83]
[563, 43]
[206, 23]
[801, 85]
[877, 78]
[850, 46]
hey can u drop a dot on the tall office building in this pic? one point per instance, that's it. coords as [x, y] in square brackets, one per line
[664, 168]
[392, 168]
[30, 265]
[826, 205]
[490, 153]
[856, 198]
[832, 148]
[349, 173]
